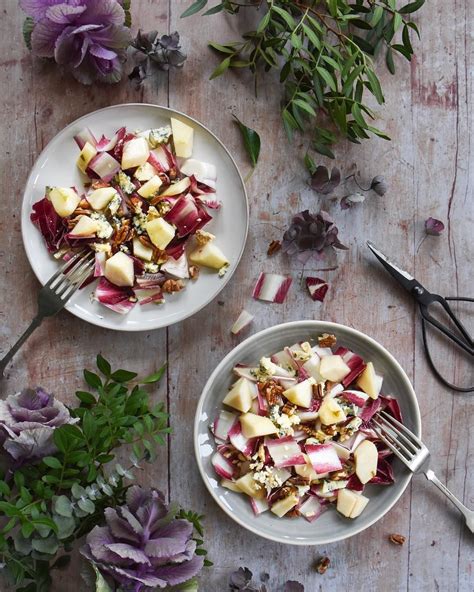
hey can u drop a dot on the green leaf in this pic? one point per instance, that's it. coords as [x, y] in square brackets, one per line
[312, 36]
[101, 584]
[86, 505]
[103, 365]
[28, 26]
[221, 68]
[123, 376]
[357, 114]
[397, 21]
[376, 16]
[85, 397]
[62, 505]
[286, 16]
[65, 526]
[305, 106]
[374, 85]
[195, 7]
[251, 141]
[27, 529]
[214, 10]
[4, 488]
[155, 377]
[361, 24]
[52, 462]
[48, 546]
[262, 25]
[412, 7]
[222, 48]
[45, 521]
[295, 41]
[406, 39]
[289, 123]
[326, 76]
[92, 379]
[389, 61]
[323, 149]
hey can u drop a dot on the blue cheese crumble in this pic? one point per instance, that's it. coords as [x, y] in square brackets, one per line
[158, 136]
[105, 228]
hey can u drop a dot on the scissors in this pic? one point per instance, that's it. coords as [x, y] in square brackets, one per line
[425, 298]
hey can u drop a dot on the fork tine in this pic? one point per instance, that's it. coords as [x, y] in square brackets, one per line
[68, 270]
[395, 442]
[74, 287]
[77, 277]
[63, 267]
[70, 277]
[391, 420]
[401, 435]
[393, 448]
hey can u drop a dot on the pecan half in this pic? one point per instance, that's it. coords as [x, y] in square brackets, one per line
[273, 247]
[171, 286]
[271, 391]
[288, 408]
[327, 340]
[194, 272]
[397, 539]
[322, 565]
[299, 480]
[99, 184]
[283, 492]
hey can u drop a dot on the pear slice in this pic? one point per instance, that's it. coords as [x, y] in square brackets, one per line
[183, 138]
[100, 198]
[209, 255]
[331, 412]
[135, 153]
[248, 485]
[150, 188]
[145, 172]
[85, 227]
[119, 270]
[306, 471]
[240, 395]
[350, 504]
[161, 233]
[369, 382]
[85, 156]
[64, 199]
[254, 425]
[142, 251]
[366, 458]
[283, 506]
[177, 188]
[333, 368]
[301, 394]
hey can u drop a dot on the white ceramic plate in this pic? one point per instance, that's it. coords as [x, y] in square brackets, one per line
[331, 526]
[56, 165]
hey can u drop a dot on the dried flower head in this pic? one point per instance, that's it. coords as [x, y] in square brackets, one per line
[324, 183]
[433, 226]
[27, 422]
[311, 235]
[350, 200]
[143, 545]
[379, 185]
[86, 37]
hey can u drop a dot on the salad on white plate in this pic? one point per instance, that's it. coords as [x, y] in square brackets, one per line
[294, 431]
[142, 209]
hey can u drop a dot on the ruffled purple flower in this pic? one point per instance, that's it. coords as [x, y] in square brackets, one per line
[143, 546]
[27, 422]
[87, 37]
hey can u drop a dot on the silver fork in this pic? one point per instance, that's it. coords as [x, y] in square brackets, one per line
[55, 294]
[415, 455]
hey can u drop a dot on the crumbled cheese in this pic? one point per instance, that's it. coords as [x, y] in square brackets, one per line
[329, 486]
[125, 182]
[283, 421]
[139, 221]
[203, 237]
[163, 207]
[151, 267]
[303, 490]
[223, 270]
[124, 248]
[105, 228]
[102, 248]
[269, 478]
[350, 429]
[302, 355]
[114, 204]
[266, 369]
[158, 136]
[152, 213]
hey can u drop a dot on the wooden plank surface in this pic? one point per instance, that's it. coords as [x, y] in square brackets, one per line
[427, 166]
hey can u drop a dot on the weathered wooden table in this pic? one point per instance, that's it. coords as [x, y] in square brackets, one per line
[427, 166]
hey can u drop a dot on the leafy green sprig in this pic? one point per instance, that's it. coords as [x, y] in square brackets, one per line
[324, 51]
[50, 504]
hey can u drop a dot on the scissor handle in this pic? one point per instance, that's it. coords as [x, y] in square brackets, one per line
[467, 344]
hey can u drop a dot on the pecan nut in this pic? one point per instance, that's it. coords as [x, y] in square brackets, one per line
[273, 247]
[271, 391]
[322, 565]
[327, 340]
[170, 286]
[397, 539]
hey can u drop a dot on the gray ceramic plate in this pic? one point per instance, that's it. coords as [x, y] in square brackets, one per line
[331, 526]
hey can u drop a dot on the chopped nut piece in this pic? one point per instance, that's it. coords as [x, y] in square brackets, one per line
[288, 408]
[203, 237]
[322, 565]
[318, 390]
[193, 272]
[285, 491]
[292, 513]
[273, 247]
[271, 391]
[327, 340]
[299, 480]
[99, 184]
[171, 286]
[397, 539]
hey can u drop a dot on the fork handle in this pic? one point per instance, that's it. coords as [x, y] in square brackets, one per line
[35, 323]
[466, 512]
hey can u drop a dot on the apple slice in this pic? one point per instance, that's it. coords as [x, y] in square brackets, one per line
[248, 485]
[100, 198]
[85, 226]
[183, 137]
[85, 156]
[301, 394]
[119, 269]
[150, 188]
[64, 199]
[135, 153]
[369, 381]
[142, 251]
[366, 458]
[240, 395]
[283, 506]
[350, 504]
[161, 233]
[254, 425]
[331, 412]
[209, 255]
[333, 368]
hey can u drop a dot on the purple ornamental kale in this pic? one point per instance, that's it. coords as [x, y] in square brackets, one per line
[310, 236]
[86, 37]
[27, 422]
[143, 546]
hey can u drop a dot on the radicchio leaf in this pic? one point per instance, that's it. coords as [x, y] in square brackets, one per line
[317, 288]
[50, 224]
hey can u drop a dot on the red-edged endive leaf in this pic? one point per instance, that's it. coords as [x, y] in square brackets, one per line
[85, 135]
[212, 204]
[222, 466]
[187, 216]
[285, 452]
[317, 288]
[155, 297]
[272, 287]
[359, 398]
[104, 166]
[354, 483]
[158, 159]
[355, 363]
[105, 145]
[199, 188]
[370, 409]
[311, 509]
[384, 475]
[323, 457]
[239, 441]
[390, 405]
[243, 320]
[99, 267]
[223, 423]
[259, 505]
[118, 299]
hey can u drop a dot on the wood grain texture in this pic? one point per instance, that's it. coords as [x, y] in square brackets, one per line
[428, 168]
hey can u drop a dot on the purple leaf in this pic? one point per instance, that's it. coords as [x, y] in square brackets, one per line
[292, 586]
[322, 182]
[433, 226]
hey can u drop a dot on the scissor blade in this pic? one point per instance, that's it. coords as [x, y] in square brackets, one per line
[402, 276]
